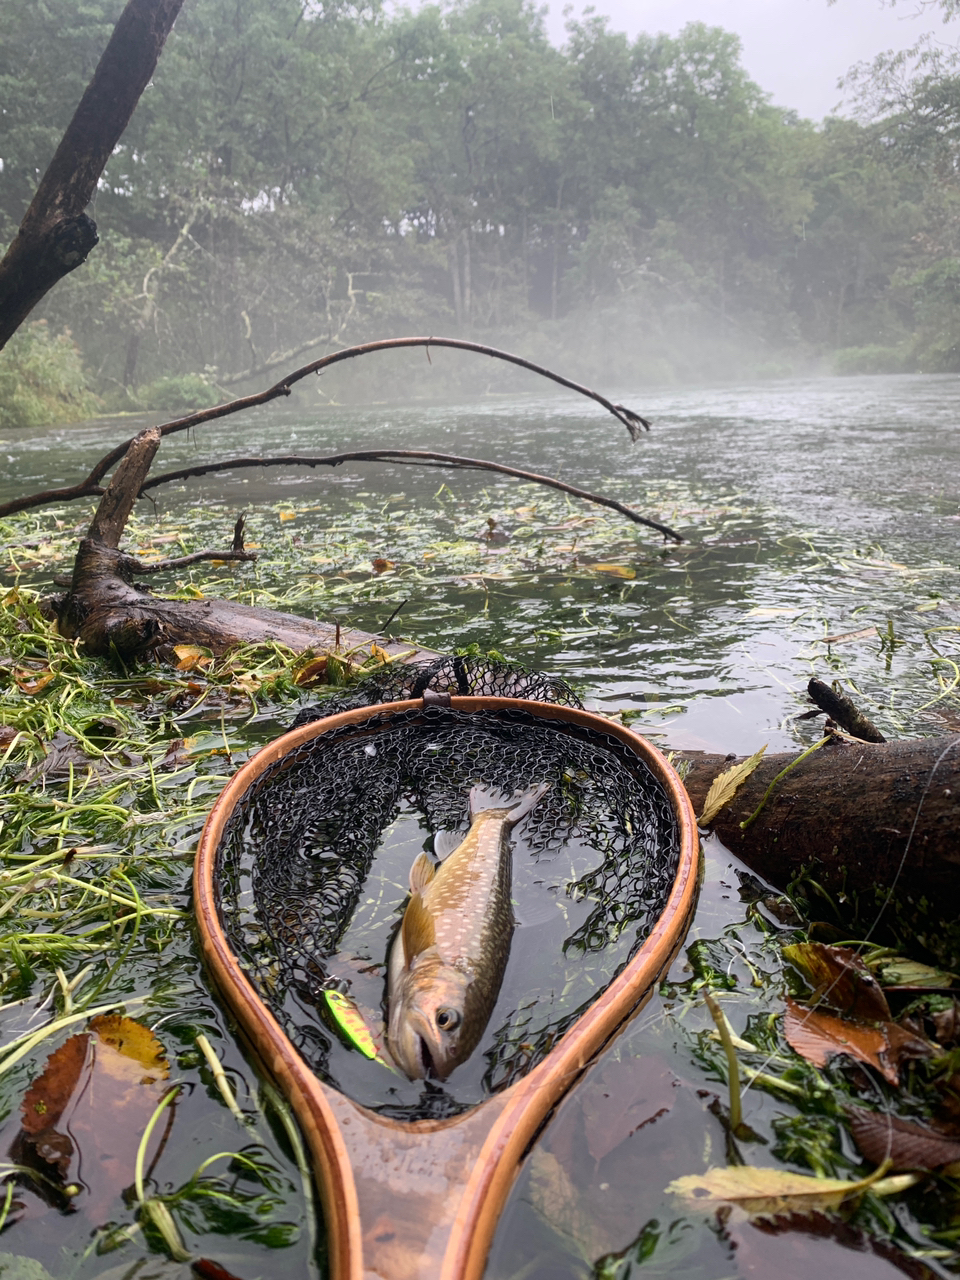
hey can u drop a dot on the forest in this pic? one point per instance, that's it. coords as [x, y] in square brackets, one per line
[301, 175]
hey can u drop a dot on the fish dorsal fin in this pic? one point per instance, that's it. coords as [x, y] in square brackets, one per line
[417, 928]
[421, 873]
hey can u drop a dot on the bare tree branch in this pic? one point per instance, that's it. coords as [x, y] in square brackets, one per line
[56, 234]
[91, 485]
[410, 457]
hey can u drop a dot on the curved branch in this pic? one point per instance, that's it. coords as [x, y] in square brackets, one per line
[632, 421]
[411, 457]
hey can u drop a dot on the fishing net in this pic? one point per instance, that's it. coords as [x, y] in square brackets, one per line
[298, 858]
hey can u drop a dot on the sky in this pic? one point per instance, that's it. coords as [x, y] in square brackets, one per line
[795, 49]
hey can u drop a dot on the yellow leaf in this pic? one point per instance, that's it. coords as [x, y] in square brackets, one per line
[773, 1191]
[618, 570]
[287, 515]
[725, 786]
[381, 655]
[192, 656]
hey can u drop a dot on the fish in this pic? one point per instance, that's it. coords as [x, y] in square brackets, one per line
[448, 958]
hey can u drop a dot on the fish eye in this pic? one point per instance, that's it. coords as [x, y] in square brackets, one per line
[448, 1019]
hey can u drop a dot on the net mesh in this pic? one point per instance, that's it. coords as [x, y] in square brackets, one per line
[298, 849]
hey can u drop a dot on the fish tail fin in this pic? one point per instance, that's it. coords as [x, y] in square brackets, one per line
[511, 808]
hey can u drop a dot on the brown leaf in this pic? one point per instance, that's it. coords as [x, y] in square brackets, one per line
[380, 565]
[819, 1036]
[946, 1023]
[908, 1145]
[209, 1270]
[840, 980]
[313, 672]
[33, 681]
[83, 1117]
[621, 1098]
[192, 657]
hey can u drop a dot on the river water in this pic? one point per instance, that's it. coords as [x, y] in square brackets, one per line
[809, 509]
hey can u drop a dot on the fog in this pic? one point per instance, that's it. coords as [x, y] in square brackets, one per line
[795, 49]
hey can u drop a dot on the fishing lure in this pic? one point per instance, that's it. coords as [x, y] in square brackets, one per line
[350, 1021]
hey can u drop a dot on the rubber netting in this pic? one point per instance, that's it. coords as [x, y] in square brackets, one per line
[298, 849]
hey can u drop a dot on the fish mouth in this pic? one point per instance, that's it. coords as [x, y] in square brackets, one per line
[426, 1060]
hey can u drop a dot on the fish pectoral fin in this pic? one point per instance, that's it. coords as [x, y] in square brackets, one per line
[421, 873]
[417, 929]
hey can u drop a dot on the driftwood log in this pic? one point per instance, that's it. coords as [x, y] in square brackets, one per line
[867, 834]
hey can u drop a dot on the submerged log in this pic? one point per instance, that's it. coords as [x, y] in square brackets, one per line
[868, 834]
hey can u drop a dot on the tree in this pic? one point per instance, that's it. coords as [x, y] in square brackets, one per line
[56, 233]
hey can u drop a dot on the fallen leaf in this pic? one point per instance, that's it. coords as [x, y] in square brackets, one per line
[29, 681]
[557, 1200]
[7, 734]
[313, 672]
[899, 972]
[819, 1036]
[946, 1023]
[192, 656]
[285, 516]
[83, 1117]
[621, 1098]
[617, 570]
[840, 980]
[772, 612]
[380, 565]
[906, 1145]
[377, 652]
[766, 1191]
[725, 786]
[844, 636]
[209, 1270]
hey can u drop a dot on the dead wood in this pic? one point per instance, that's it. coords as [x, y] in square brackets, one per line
[869, 831]
[110, 614]
[415, 457]
[56, 234]
[839, 708]
[91, 486]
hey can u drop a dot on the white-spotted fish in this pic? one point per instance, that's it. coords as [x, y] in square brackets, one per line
[449, 956]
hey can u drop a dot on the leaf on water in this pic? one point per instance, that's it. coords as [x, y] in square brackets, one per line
[617, 570]
[381, 565]
[903, 1143]
[765, 1191]
[840, 980]
[899, 972]
[558, 1201]
[725, 786]
[377, 652]
[207, 1269]
[192, 656]
[772, 612]
[621, 1098]
[15, 1267]
[83, 1117]
[286, 516]
[819, 1036]
[845, 636]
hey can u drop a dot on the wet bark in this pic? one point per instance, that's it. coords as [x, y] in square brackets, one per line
[56, 234]
[863, 830]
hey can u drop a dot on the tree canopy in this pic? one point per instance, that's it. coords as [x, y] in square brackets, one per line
[303, 173]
